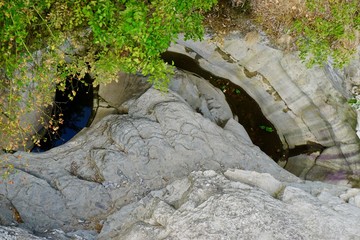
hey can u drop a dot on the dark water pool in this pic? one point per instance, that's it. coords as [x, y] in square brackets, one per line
[74, 115]
[77, 114]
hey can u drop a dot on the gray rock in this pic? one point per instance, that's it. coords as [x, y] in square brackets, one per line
[117, 161]
[14, 233]
[237, 129]
[262, 180]
[300, 165]
[202, 97]
[304, 105]
[156, 172]
[132, 176]
[207, 205]
[128, 86]
[112, 96]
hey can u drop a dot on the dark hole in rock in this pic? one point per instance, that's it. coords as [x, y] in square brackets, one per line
[308, 148]
[260, 129]
[75, 114]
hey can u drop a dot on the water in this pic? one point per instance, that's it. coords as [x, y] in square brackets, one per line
[75, 114]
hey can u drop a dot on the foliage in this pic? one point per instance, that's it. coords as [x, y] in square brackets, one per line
[267, 128]
[321, 28]
[42, 42]
[277, 16]
[329, 29]
[354, 102]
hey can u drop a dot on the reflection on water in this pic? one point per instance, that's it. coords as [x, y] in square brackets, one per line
[75, 114]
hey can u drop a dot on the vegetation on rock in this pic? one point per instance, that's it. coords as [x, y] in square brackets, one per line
[43, 42]
[323, 30]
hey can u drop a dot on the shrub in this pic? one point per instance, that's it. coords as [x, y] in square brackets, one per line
[329, 29]
[76, 37]
[321, 28]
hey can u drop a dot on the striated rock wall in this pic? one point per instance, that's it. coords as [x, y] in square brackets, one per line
[302, 103]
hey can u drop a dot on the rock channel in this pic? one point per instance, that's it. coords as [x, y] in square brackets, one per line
[172, 165]
[307, 106]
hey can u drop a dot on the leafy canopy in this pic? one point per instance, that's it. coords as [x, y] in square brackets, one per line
[43, 42]
[122, 34]
[330, 28]
[320, 28]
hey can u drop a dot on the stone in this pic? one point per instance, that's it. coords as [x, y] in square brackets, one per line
[262, 180]
[352, 196]
[13, 233]
[166, 168]
[301, 164]
[304, 105]
[236, 128]
[349, 194]
[111, 97]
[216, 207]
[202, 96]
[128, 86]
[357, 200]
[237, 3]
[121, 158]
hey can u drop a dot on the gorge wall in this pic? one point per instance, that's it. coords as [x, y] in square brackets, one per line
[307, 106]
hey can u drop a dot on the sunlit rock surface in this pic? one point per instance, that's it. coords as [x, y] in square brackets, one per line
[169, 169]
[121, 158]
[208, 205]
[303, 104]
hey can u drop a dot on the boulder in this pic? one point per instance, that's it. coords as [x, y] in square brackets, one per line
[111, 96]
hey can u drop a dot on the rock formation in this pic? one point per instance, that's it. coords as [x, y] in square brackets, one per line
[174, 165]
[238, 205]
[305, 105]
[123, 157]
